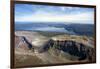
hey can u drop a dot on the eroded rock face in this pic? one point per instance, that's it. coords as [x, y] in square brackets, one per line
[71, 47]
[22, 42]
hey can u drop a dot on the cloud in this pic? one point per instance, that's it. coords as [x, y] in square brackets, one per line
[86, 17]
[42, 13]
[54, 29]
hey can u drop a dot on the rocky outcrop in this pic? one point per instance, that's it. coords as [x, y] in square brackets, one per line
[73, 48]
[22, 42]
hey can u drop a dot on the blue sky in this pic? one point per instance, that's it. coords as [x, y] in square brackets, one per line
[45, 13]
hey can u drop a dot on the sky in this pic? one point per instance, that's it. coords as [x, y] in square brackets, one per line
[47, 13]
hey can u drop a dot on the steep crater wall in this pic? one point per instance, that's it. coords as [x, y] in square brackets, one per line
[68, 46]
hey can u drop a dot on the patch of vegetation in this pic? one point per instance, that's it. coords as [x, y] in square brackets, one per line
[50, 34]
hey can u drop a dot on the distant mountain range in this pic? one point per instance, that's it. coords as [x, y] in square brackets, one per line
[69, 28]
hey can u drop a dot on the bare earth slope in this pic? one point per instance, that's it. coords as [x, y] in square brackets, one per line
[33, 48]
